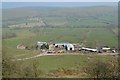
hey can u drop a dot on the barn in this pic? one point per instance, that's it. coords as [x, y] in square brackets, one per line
[66, 45]
[42, 45]
[89, 49]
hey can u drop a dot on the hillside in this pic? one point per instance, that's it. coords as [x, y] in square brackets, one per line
[99, 15]
[70, 24]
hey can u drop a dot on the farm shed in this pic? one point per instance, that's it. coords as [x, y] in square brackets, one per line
[67, 46]
[51, 47]
[42, 45]
[89, 49]
[77, 47]
[105, 48]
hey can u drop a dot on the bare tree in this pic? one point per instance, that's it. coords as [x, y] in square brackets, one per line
[100, 69]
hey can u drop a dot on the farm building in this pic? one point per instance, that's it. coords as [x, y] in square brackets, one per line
[51, 47]
[67, 46]
[77, 47]
[104, 49]
[42, 45]
[89, 49]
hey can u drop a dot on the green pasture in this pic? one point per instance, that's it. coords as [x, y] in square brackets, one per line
[49, 63]
[91, 37]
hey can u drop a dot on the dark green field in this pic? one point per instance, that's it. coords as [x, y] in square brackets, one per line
[89, 36]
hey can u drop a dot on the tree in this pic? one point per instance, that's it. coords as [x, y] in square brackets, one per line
[101, 69]
[9, 67]
[18, 69]
[31, 70]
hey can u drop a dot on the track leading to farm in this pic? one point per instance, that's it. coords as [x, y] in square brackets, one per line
[39, 55]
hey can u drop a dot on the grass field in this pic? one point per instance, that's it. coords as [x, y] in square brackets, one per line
[92, 36]
[50, 63]
[29, 36]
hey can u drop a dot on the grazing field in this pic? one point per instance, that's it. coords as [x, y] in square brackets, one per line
[89, 36]
[47, 64]
[68, 61]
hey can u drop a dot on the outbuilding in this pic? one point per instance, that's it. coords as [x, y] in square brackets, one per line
[66, 45]
[42, 45]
